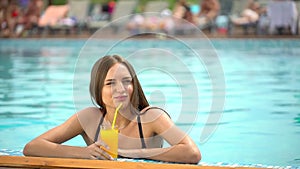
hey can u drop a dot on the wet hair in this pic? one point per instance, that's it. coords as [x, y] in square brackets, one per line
[98, 75]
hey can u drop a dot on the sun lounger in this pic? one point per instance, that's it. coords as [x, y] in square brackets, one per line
[79, 12]
[53, 14]
[123, 8]
[156, 6]
[237, 8]
[75, 19]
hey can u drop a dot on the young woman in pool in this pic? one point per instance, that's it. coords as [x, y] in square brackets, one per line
[142, 128]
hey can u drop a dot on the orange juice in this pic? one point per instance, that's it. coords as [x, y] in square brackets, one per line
[110, 137]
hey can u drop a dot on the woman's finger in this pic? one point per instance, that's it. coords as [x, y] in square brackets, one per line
[98, 155]
[101, 151]
[93, 157]
[101, 143]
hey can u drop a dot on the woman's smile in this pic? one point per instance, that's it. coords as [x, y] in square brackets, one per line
[120, 98]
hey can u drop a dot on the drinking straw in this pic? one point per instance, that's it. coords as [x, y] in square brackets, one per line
[115, 116]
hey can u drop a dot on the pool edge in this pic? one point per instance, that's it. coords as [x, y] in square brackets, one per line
[42, 162]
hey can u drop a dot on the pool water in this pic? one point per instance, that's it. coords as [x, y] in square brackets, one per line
[260, 123]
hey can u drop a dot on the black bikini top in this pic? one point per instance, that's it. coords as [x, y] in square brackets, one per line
[139, 125]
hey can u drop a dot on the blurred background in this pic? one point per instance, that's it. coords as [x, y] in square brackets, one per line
[81, 18]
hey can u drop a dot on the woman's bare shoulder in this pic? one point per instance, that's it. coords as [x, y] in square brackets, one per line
[152, 114]
[89, 114]
[91, 110]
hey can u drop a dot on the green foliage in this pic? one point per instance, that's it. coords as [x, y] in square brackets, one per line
[59, 2]
[99, 1]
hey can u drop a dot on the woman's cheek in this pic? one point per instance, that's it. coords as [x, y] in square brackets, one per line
[130, 90]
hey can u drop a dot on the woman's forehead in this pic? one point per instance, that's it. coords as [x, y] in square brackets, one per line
[118, 71]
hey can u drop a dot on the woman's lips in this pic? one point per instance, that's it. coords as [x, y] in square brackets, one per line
[120, 98]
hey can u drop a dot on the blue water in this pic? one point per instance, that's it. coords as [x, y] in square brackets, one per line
[260, 123]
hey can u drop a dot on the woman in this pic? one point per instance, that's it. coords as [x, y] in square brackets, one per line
[32, 14]
[209, 11]
[141, 128]
[250, 15]
[183, 11]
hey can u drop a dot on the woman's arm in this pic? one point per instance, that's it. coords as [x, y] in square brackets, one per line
[181, 153]
[182, 149]
[49, 143]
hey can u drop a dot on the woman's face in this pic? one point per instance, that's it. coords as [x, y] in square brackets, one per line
[117, 87]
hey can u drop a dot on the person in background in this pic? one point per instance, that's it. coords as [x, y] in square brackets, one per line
[249, 15]
[183, 11]
[32, 14]
[208, 12]
[12, 18]
[4, 31]
[142, 128]
[111, 6]
[166, 22]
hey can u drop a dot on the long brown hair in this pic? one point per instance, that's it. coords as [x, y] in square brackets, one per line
[98, 75]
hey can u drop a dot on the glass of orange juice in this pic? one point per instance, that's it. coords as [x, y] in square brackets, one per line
[110, 136]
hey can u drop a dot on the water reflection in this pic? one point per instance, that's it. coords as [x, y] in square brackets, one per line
[6, 65]
[297, 119]
[29, 77]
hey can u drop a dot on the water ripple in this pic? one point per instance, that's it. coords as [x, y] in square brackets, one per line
[297, 120]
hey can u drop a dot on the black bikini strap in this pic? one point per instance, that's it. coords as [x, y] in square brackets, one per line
[140, 124]
[141, 131]
[155, 108]
[98, 128]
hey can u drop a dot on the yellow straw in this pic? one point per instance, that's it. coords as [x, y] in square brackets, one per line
[115, 116]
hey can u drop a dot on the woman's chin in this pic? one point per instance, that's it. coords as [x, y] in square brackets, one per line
[124, 103]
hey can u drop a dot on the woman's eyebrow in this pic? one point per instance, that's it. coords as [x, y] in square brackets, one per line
[124, 78]
[127, 77]
[109, 80]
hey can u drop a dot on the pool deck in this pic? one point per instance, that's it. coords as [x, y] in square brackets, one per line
[41, 162]
[109, 34]
[210, 36]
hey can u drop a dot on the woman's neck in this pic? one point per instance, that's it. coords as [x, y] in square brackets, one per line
[123, 117]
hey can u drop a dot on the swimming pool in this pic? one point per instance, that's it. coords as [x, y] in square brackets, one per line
[260, 123]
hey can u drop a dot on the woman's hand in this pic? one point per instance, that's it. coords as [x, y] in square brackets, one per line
[98, 151]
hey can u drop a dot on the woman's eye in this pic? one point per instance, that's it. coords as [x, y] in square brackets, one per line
[110, 83]
[127, 82]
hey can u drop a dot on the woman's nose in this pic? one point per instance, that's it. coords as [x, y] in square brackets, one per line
[120, 87]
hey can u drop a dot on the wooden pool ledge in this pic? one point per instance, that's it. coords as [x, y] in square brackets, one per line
[41, 162]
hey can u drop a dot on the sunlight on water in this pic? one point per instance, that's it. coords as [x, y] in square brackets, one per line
[260, 123]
